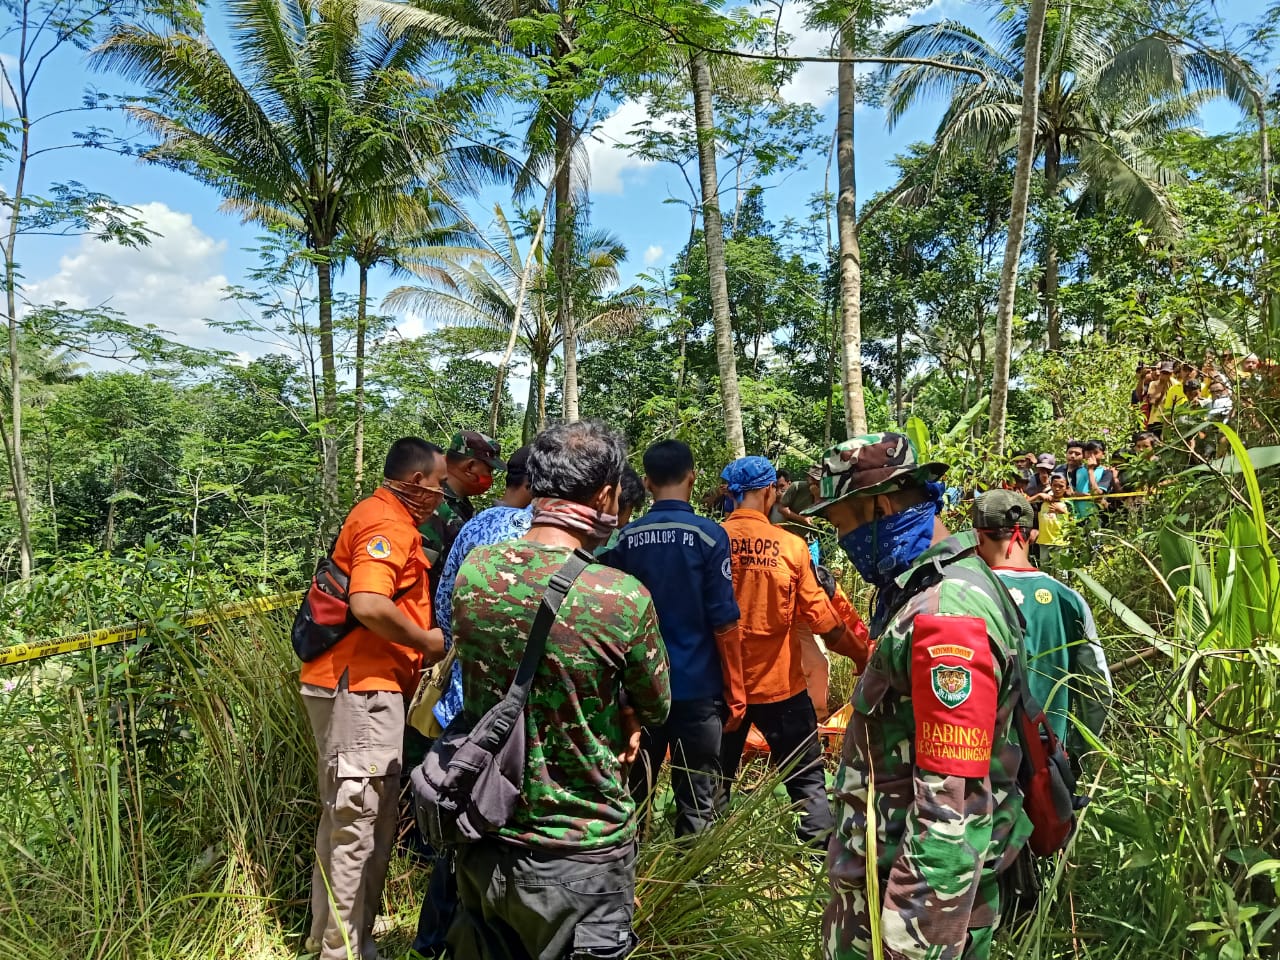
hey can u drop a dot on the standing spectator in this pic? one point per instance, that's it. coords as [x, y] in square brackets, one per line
[1144, 445]
[1138, 394]
[1157, 392]
[559, 879]
[472, 460]
[717, 502]
[1067, 668]
[1049, 521]
[508, 519]
[1046, 463]
[1092, 479]
[683, 560]
[1075, 457]
[774, 582]
[355, 695]
[1220, 402]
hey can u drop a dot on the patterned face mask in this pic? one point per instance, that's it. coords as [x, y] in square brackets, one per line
[421, 502]
[577, 518]
[884, 548]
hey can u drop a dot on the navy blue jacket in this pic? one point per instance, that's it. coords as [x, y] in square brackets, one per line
[683, 559]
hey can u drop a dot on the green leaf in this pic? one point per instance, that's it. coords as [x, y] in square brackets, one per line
[1260, 458]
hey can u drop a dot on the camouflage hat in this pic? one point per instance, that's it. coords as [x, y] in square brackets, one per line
[1002, 510]
[871, 464]
[469, 443]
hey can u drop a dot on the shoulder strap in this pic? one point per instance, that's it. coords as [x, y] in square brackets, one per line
[556, 591]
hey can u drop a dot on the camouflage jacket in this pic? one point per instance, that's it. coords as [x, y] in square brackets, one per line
[930, 740]
[441, 529]
[604, 646]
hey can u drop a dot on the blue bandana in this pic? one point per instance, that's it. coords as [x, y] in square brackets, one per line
[884, 549]
[748, 473]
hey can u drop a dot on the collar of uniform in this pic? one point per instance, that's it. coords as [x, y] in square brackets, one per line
[680, 506]
[1003, 569]
[748, 513]
[386, 496]
[952, 546]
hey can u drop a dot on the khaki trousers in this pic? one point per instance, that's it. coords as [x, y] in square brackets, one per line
[359, 743]
[816, 667]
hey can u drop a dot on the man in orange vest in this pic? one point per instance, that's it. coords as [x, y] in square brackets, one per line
[775, 585]
[355, 694]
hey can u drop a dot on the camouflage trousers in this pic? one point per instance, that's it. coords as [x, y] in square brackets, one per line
[846, 931]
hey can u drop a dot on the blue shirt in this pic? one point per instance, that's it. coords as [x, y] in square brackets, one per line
[488, 526]
[683, 559]
[1085, 508]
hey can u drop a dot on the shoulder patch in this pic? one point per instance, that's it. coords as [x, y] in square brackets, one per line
[726, 569]
[379, 548]
[953, 694]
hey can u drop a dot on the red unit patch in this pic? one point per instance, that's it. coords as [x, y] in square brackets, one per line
[954, 695]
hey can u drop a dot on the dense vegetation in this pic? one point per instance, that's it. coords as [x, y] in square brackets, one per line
[156, 797]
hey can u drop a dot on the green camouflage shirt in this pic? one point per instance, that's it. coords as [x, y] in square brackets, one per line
[605, 643]
[930, 738]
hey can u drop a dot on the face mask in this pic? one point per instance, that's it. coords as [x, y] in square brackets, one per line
[421, 502]
[484, 481]
[578, 518]
[884, 548]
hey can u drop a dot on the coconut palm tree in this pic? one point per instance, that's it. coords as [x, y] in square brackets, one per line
[482, 294]
[322, 114]
[1108, 95]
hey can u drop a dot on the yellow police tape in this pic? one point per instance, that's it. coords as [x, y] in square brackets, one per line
[36, 650]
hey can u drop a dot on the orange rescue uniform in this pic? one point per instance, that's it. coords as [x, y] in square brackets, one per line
[380, 548]
[774, 583]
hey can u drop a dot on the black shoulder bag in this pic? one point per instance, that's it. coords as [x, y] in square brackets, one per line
[469, 783]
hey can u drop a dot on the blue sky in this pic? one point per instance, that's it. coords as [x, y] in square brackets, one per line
[178, 280]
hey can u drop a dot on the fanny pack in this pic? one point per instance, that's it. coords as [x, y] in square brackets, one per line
[471, 779]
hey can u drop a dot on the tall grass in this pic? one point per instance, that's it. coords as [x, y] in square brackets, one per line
[157, 802]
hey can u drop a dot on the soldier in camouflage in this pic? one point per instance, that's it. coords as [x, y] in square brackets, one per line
[472, 459]
[929, 746]
[559, 879]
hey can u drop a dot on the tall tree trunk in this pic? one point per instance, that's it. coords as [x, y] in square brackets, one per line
[17, 460]
[855, 414]
[362, 329]
[328, 395]
[713, 236]
[532, 413]
[1053, 320]
[562, 256]
[897, 378]
[1017, 221]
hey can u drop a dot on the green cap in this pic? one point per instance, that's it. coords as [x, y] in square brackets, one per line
[469, 443]
[868, 465]
[1002, 510]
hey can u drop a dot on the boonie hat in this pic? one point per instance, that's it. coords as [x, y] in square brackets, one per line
[871, 464]
[1002, 510]
[469, 443]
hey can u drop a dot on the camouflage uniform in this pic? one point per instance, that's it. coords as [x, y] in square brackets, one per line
[930, 741]
[559, 879]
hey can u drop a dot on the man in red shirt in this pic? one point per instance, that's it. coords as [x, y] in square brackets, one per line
[775, 585]
[355, 694]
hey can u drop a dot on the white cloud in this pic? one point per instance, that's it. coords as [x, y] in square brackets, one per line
[652, 254]
[175, 282]
[608, 159]
[815, 82]
[7, 102]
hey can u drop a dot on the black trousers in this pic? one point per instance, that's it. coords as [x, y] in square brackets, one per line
[693, 733]
[519, 904]
[790, 727]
